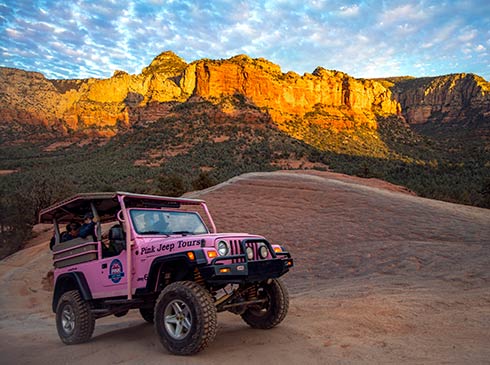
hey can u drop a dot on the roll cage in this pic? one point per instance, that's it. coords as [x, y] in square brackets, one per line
[108, 207]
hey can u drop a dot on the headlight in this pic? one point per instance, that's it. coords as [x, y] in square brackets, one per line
[263, 251]
[250, 253]
[223, 248]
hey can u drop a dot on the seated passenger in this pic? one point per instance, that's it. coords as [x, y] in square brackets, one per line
[161, 224]
[72, 232]
[113, 242]
[108, 250]
[88, 226]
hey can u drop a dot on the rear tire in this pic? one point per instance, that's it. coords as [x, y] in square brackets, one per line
[273, 311]
[185, 318]
[74, 321]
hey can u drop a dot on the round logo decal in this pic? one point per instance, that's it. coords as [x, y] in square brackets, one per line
[116, 272]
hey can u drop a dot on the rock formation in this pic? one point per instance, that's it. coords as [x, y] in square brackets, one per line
[328, 98]
[287, 96]
[443, 99]
[102, 104]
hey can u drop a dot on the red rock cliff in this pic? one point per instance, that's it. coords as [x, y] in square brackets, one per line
[102, 104]
[287, 96]
[450, 98]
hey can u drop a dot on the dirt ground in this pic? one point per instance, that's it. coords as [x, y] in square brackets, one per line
[381, 277]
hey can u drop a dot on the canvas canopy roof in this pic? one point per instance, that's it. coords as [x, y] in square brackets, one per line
[107, 205]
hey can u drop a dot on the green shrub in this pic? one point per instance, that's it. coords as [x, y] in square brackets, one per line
[171, 185]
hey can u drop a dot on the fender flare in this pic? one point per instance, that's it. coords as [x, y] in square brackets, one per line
[171, 260]
[71, 281]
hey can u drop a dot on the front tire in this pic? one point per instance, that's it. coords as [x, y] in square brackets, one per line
[74, 321]
[185, 318]
[275, 308]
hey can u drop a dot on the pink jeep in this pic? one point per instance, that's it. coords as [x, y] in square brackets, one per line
[160, 257]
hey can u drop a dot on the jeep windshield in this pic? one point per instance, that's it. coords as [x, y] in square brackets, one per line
[162, 222]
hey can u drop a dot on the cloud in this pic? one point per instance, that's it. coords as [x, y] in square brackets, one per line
[406, 13]
[367, 38]
[467, 34]
[480, 48]
[349, 11]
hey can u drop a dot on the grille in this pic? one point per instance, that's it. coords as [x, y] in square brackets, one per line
[236, 249]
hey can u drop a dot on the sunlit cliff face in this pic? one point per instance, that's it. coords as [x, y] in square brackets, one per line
[122, 99]
[286, 96]
[328, 99]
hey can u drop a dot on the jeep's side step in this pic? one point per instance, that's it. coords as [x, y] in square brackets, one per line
[123, 301]
[113, 306]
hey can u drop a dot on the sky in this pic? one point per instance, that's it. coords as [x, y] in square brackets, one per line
[366, 39]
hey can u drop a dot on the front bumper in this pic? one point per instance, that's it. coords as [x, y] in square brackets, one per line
[253, 271]
[239, 269]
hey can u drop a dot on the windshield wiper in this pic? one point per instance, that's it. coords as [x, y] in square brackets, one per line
[184, 233]
[155, 232]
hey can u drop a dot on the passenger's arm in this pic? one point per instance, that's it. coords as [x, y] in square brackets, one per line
[87, 229]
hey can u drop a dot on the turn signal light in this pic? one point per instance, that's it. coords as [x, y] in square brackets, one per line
[191, 256]
[212, 254]
[225, 270]
[277, 249]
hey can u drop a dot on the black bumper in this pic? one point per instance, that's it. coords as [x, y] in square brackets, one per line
[246, 272]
